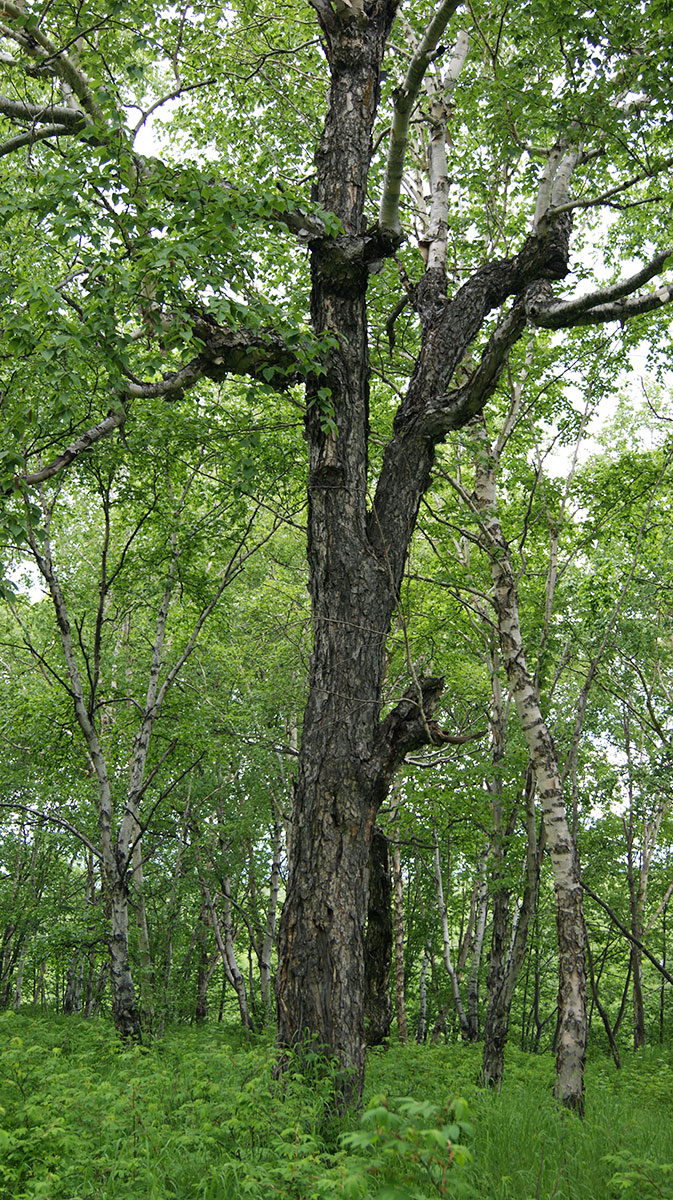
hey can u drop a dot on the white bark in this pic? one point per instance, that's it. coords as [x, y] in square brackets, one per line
[567, 885]
[423, 993]
[398, 945]
[271, 915]
[446, 942]
[438, 223]
[477, 948]
[113, 855]
[225, 945]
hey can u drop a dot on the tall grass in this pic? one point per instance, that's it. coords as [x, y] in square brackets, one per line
[198, 1116]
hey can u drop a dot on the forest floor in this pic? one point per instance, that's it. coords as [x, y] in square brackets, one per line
[197, 1116]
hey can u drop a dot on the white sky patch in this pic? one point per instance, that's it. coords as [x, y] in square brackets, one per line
[28, 581]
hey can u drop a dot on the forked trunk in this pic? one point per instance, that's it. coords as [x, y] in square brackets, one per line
[342, 775]
[356, 557]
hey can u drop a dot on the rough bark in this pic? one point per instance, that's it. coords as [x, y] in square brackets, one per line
[356, 558]
[378, 943]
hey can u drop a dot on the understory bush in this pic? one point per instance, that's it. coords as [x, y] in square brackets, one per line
[199, 1116]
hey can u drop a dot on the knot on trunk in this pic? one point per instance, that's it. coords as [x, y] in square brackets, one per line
[345, 262]
[409, 725]
[259, 353]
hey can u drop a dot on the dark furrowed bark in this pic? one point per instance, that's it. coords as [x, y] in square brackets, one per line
[320, 980]
[378, 943]
[356, 561]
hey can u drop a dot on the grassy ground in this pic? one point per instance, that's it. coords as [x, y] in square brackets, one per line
[197, 1117]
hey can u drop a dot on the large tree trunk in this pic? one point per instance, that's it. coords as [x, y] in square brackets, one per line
[342, 779]
[124, 1007]
[356, 558]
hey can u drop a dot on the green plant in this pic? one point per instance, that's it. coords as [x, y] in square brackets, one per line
[641, 1177]
[409, 1147]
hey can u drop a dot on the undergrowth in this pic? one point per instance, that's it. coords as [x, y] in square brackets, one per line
[198, 1116]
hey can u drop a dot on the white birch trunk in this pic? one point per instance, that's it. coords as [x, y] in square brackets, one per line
[271, 917]
[565, 867]
[113, 851]
[446, 943]
[225, 945]
[477, 948]
[423, 994]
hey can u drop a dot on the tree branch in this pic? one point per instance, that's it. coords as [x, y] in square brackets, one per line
[405, 99]
[606, 197]
[228, 352]
[55, 820]
[38, 46]
[550, 314]
[615, 919]
[34, 135]
[456, 408]
[20, 110]
[114, 420]
[555, 314]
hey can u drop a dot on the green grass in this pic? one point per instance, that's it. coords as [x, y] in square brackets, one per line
[198, 1117]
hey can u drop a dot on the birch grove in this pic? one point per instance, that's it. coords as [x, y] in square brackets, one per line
[262, 270]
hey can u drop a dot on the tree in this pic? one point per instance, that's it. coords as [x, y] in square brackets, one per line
[546, 115]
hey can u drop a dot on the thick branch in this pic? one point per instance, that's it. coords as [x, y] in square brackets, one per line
[34, 135]
[426, 413]
[436, 236]
[389, 217]
[408, 726]
[458, 407]
[610, 193]
[114, 420]
[229, 352]
[551, 314]
[51, 57]
[625, 287]
[20, 110]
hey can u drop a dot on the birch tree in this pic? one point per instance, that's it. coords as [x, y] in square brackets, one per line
[105, 684]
